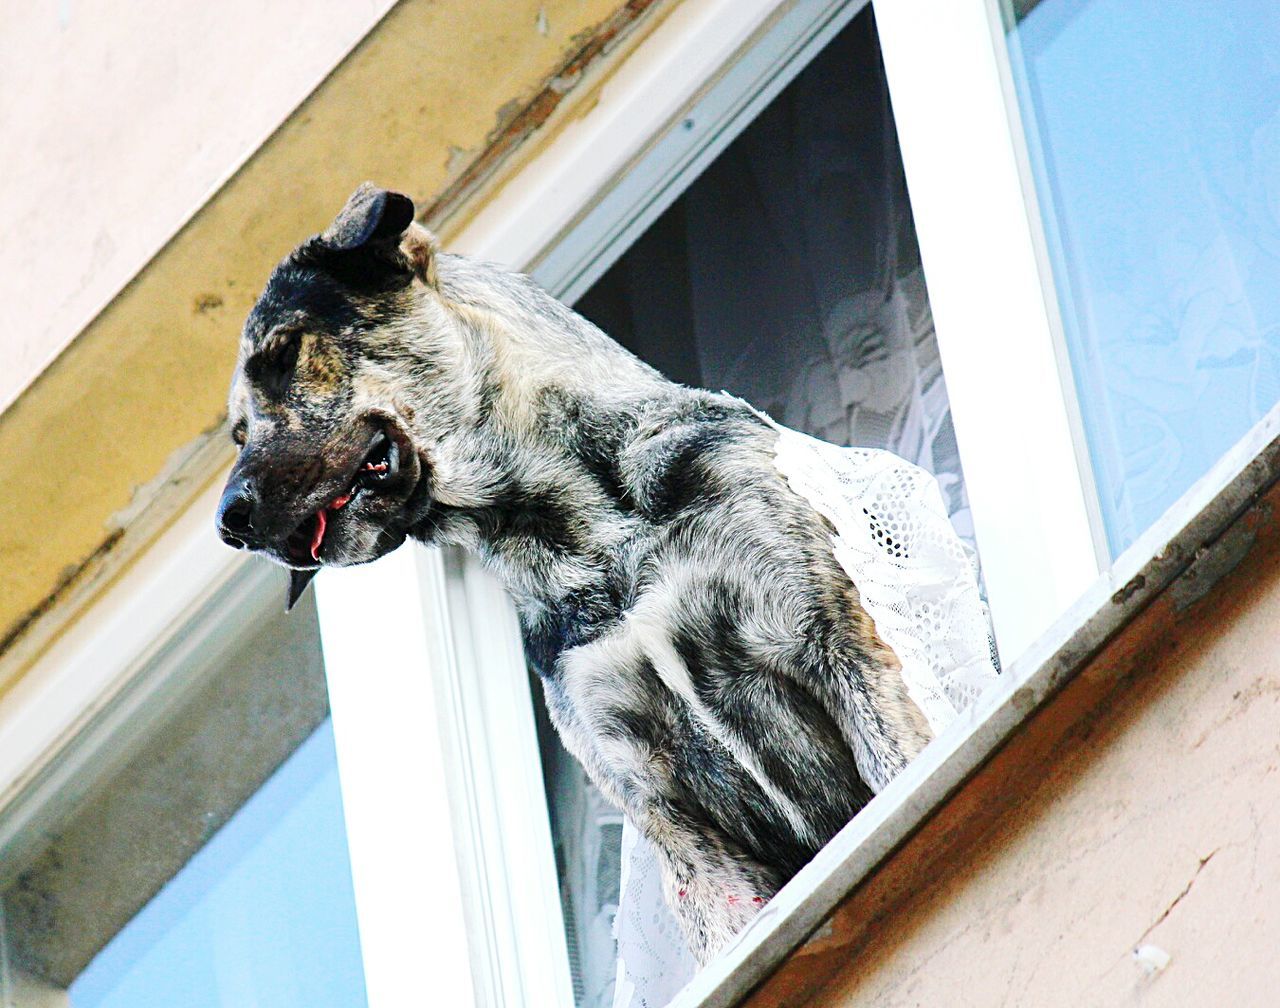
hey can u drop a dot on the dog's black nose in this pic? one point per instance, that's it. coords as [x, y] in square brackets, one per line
[235, 514]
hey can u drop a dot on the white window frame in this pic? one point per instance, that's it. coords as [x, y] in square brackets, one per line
[441, 771]
[663, 116]
[995, 307]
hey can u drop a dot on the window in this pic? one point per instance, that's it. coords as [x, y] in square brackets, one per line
[197, 854]
[787, 273]
[264, 912]
[1162, 116]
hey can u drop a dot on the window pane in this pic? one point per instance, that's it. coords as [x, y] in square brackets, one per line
[197, 854]
[263, 915]
[1154, 130]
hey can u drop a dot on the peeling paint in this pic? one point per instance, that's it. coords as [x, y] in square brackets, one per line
[516, 125]
[508, 112]
[127, 532]
[458, 159]
[1131, 589]
[1151, 958]
[1211, 565]
[65, 581]
[173, 475]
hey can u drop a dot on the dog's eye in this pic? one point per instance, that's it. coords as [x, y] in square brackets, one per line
[240, 433]
[280, 373]
[273, 366]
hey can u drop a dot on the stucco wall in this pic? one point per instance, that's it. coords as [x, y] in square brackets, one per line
[430, 92]
[119, 119]
[1140, 807]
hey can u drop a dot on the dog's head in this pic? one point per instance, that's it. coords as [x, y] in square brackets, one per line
[330, 470]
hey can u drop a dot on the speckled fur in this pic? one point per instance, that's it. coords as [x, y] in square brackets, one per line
[701, 651]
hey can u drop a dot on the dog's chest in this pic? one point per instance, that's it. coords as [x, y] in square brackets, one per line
[627, 703]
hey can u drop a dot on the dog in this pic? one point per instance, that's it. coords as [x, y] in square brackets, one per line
[701, 651]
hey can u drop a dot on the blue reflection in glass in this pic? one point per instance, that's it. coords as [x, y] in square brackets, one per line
[262, 917]
[1154, 128]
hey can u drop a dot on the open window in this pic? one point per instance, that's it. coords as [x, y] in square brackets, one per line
[756, 236]
[788, 273]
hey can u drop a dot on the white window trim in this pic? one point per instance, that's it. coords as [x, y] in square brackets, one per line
[436, 738]
[380, 629]
[991, 296]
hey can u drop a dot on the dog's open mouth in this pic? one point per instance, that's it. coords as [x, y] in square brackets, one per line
[380, 465]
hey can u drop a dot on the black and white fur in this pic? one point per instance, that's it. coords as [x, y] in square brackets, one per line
[701, 651]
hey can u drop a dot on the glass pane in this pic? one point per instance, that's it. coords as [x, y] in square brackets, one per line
[197, 854]
[1154, 131]
[262, 915]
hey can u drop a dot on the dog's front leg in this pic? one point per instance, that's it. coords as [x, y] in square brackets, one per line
[713, 891]
[624, 725]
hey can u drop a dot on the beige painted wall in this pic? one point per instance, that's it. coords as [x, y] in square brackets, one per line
[1141, 807]
[119, 120]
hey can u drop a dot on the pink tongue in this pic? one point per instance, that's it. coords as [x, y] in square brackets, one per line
[317, 537]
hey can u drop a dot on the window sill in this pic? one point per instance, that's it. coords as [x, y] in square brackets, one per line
[1188, 551]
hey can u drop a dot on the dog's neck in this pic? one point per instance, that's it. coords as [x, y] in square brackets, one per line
[528, 341]
[524, 438]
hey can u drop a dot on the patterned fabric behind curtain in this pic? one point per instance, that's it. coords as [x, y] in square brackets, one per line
[1154, 133]
[788, 274]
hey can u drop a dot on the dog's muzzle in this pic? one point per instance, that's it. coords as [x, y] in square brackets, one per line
[245, 520]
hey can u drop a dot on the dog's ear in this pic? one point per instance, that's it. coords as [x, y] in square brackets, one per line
[381, 222]
[372, 217]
